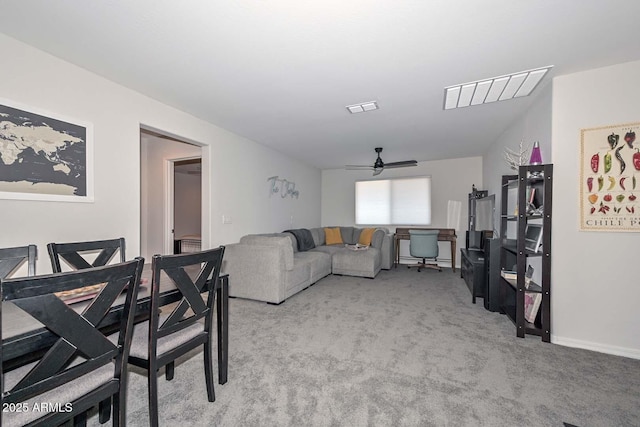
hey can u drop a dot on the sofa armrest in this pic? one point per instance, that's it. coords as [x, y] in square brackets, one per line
[388, 252]
[255, 271]
[282, 245]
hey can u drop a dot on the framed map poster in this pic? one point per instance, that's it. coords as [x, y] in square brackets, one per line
[44, 157]
[610, 178]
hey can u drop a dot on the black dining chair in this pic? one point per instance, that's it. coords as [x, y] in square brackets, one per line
[77, 255]
[12, 258]
[181, 327]
[83, 366]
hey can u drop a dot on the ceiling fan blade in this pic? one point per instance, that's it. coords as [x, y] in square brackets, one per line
[403, 164]
[357, 167]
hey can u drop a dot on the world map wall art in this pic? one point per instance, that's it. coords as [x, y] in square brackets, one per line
[44, 157]
[610, 178]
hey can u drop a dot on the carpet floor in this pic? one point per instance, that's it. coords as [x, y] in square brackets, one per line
[403, 349]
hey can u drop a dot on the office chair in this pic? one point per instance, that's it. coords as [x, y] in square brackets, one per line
[424, 244]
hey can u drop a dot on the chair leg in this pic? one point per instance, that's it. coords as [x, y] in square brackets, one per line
[169, 370]
[208, 371]
[80, 420]
[104, 411]
[153, 395]
[119, 408]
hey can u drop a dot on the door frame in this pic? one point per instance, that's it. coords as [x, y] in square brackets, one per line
[205, 156]
[170, 199]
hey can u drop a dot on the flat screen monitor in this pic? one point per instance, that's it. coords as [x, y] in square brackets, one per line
[476, 240]
[533, 237]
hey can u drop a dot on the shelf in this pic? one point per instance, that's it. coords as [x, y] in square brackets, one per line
[514, 256]
[529, 328]
[533, 286]
[514, 250]
[510, 217]
[516, 217]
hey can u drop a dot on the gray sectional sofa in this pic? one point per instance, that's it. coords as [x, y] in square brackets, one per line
[270, 268]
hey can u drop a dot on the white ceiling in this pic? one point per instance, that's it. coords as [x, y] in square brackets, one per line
[280, 72]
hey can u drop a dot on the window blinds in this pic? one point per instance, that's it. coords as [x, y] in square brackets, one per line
[402, 201]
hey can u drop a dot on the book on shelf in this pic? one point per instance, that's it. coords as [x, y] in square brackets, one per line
[527, 276]
[509, 275]
[532, 302]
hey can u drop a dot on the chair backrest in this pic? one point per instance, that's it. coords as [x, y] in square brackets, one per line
[12, 258]
[423, 243]
[192, 273]
[75, 254]
[80, 347]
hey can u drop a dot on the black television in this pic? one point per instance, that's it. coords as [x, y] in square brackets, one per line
[475, 240]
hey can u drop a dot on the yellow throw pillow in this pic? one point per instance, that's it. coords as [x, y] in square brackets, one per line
[365, 236]
[332, 236]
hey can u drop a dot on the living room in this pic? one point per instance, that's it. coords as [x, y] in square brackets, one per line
[595, 290]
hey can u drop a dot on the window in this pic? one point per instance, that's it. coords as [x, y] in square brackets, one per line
[403, 201]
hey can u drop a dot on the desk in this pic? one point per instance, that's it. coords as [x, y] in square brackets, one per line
[22, 334]
[445, 235]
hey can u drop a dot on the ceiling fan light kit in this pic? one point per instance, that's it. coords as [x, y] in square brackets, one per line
[379, 165]
[499, 88]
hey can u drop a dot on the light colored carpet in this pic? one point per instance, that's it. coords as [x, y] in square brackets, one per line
[406, 348]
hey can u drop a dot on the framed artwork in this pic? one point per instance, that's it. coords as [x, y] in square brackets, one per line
[610, 178]
[44, 156]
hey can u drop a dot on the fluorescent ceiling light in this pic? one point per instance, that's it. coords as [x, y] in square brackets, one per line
[362, 107]
[494, 89]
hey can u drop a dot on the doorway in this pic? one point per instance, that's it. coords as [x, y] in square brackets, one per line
[187, 205]
[159, 154]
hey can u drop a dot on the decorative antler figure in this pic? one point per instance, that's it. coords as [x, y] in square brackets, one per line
[516, 158]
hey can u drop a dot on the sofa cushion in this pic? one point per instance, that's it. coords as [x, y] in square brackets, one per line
[349, 235]
[318, 236]
[328, 249]
[365, 236]
[333, 236]
[363, 263]
[319, 263]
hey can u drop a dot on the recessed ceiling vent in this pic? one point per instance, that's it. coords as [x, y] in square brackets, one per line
[494, 89]
[363, 107]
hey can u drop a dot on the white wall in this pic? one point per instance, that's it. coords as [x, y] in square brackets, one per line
[188, 197]
[235, 170]
[450, 180]
[596, 288]
[154, 154]
[535, 125]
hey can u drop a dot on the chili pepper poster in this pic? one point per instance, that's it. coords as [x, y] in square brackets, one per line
[610, 179]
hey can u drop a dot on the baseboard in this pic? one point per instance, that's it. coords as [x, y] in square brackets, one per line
[631, 353]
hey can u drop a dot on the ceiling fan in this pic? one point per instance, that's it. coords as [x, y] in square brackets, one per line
[379, 165]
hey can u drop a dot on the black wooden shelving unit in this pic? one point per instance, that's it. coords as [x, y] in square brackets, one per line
[513, 250]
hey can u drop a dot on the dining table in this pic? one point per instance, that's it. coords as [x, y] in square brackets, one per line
[24, 338]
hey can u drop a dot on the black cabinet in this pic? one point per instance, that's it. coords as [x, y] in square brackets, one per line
[492, 271]
[525, 232]
[472, 270]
